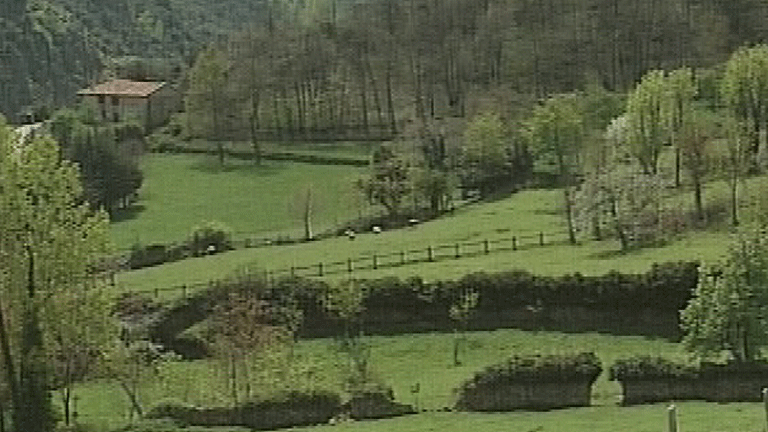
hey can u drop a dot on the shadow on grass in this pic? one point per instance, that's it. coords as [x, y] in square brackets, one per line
[210, 165]
[126, 214]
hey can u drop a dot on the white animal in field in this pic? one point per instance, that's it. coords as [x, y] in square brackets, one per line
[376, 229]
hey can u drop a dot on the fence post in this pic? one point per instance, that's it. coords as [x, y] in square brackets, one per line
[320, 269]
[458, 251]
[541, 239]
[514, 243]
[157, 293]
[430, 254]
[765, 405]
[293, 271]
[184, 290]
[402, 258]
[486, 247]
[672, 414]
[375, 262]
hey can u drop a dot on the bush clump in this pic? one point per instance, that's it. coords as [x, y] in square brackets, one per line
[583, 367]
[210, 238]
[649, 368]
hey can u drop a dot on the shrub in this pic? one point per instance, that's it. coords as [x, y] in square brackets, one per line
[210, 237]
[649, 368]
[147, 256]
[537, 368]
[532, 382]
[152, 425]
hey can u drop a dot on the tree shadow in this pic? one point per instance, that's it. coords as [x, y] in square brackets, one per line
[129, 213]
[211, 165]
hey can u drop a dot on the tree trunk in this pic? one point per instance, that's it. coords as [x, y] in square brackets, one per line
[734, 204]
[698, 199]
[376, 98]
[363, 98]
[390, 104]
[132, 397]
[254, 128]
[565, 179]
[308, 235]
[623, 240]
[9, 367]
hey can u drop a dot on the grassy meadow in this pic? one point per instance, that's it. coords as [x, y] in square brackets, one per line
[182, 191]
[402, 361]
[523, 215]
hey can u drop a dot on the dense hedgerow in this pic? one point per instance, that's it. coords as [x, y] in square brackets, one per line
[649, 368]
[582, 367]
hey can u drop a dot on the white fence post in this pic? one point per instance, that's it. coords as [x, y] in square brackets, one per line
[672, 414]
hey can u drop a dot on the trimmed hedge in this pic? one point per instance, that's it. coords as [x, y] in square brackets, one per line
[654, 379]
[286, 410]
[533, 382]
[645, 304]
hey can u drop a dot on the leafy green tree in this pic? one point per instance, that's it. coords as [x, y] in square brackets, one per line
[109, 175]
[207, 103]
[240, 329]
[485, 158]
[556, 134]
[734, 162]
[681, 89]
[693, 144]
[344, 301]
[728, 309]
[79, 328]
[744, 89]
[460, 312]
[645, 120]
[389, 180]
[49, 240]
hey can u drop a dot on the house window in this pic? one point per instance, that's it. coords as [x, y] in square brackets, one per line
[116, 116]
[115, 101]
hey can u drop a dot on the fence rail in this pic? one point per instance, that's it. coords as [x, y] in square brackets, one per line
[377, 261]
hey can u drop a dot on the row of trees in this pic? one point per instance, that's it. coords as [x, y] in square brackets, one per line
[107, 160]
[318, 72]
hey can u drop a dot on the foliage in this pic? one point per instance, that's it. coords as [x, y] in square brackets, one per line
[556, 133]
[110, 175]
[744, 89]
[49, 242]
[79, 328]
[486, 155]
[645, 120]
[539, 368]
[728, 308]
[460, 312]
[644, 367]
[210, 237]
[389, 180]
[205, 104]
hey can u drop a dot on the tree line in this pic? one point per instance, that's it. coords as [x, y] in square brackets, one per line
[320, 72]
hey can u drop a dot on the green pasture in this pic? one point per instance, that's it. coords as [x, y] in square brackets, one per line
[523, 215]
[426, 359]
[182, 191]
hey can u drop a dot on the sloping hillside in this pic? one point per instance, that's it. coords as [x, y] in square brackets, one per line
[49, 49]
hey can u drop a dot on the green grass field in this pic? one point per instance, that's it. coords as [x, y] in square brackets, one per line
[524, 215]
[402, 361]
[182, 191]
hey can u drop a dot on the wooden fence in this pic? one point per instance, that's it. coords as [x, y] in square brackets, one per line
[405, 257]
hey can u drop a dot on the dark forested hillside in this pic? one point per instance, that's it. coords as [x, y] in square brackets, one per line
[384, 63]
[49, 49]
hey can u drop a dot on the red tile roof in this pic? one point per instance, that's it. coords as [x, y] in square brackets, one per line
[121, 87]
